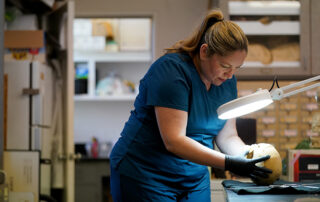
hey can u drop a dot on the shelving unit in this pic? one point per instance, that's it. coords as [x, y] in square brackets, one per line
[132, 53]
[96, 58]
[111, 106]
[264, 7]
[56, 176]
[263, 21]
[102, 60]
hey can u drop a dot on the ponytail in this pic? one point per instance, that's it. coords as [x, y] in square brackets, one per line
[223, 37]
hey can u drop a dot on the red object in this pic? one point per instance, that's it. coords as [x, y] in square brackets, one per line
[34, 51]
[94, 148]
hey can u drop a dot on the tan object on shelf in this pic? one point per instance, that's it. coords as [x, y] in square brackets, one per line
[265, 20]
[102, 28]
[286, 52]
[258, 52]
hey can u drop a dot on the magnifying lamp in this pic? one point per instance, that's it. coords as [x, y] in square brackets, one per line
[262, 98]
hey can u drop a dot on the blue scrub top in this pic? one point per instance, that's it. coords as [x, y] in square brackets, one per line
[172, 81]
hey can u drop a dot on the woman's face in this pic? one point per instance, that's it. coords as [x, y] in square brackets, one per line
[216, 69]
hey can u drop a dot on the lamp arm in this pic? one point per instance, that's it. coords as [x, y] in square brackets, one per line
[278, 94]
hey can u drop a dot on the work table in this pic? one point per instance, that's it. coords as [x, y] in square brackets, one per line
[221, 194]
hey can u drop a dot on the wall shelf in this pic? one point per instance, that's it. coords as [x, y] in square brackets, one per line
[264, 8]
[103, 56]
[87, 98]
[293, 64]
[274, 28]
[281, 26]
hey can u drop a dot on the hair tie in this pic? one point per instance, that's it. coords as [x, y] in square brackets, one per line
[211, 22]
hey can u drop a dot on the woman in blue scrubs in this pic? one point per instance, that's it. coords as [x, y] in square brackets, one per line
[167, 143]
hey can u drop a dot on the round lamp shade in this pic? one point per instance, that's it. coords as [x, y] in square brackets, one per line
[245, 105]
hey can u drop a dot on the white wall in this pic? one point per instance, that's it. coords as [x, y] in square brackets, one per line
[173, 20]
[101, 119]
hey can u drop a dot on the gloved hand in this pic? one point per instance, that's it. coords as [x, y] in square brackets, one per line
[242, 166]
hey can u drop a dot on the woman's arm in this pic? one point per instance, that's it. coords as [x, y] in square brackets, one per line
[172, 124]
[228, 140]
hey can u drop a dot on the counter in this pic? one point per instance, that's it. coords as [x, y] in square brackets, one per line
[280, 191]
[233, 197]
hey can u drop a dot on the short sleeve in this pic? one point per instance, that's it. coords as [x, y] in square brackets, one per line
[167, 85]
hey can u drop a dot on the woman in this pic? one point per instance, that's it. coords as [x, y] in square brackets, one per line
[167, 143]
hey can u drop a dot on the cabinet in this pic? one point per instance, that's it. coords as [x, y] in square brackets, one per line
[113, 54]
[92, 180]
[281, 37]
[129, 66]
[109, 62]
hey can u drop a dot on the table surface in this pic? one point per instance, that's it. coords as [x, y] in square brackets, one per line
[234, 197]
[220, 194]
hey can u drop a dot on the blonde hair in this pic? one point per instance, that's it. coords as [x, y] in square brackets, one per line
[223, 37]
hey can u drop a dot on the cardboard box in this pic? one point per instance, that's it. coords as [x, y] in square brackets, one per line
[135, 34]
[102, 27]
[22, 169]
[24, 45]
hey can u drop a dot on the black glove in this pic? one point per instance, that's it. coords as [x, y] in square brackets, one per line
[246, 167]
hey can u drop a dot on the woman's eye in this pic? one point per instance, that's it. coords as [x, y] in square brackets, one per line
[224, 66]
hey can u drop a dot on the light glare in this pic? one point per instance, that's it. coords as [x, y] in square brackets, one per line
[245, 109]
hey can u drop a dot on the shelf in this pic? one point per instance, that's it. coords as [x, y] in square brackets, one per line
[274, 28]
[32, 6]
[127, 97]
[102, 56]
[294, 64]
[264, 8]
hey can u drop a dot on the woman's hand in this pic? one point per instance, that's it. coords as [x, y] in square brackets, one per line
[242, 166]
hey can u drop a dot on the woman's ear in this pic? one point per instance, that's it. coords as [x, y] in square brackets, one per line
[203, 52]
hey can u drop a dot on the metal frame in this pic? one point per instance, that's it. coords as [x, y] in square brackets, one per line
[1, 81]
[315, 35]
[299, 87]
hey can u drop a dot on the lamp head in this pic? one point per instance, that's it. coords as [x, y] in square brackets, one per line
[263, 98]
[245, 105]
